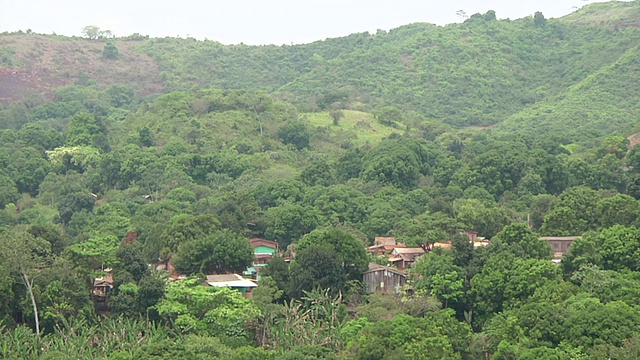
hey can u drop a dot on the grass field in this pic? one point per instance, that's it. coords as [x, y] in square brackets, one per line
[365, 128]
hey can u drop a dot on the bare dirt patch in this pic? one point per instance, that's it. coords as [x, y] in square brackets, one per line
[16, 84]
[45, 62]
[633, 141]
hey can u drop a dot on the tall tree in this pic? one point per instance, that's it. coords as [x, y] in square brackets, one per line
[24, 255]
[349, 250]
[223, 251]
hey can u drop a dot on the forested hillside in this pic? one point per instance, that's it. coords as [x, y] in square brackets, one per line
[121, 157]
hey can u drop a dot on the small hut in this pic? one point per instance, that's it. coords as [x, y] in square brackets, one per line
[383, 279]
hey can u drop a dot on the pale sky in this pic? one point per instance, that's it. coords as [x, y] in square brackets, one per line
[255, 22]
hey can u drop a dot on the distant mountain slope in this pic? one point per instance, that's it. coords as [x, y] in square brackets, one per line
[615, 14]
[476, 73]
[606, 102]
[31, 63]
[480, 72]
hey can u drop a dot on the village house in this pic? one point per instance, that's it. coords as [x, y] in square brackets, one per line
[403, 258]
[472, 235]
[559, 245]
[102, 287]
[383, 279]
[233, 281]
[263, 251]
[481, 243]
[441, 244]
[384, 245]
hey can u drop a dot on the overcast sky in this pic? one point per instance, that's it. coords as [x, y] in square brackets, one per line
[255, 21]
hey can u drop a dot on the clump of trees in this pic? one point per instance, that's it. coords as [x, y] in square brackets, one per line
[93, 32]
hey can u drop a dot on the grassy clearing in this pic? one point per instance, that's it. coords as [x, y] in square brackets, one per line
[365, 128]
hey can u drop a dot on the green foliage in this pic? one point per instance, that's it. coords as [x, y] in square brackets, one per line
[110, 51]
[7, 56]
[318, 173]
[221, 252]
[415, 338]
[97, 252]
[198, 309]
[316, 266]
[26, 166]
[132, 261]
[336, 115]
[323, 147]
[520, 241]
[505, 280]
[85, 130]
[295, 133]
[184, 227]
[539, 20]
[120, 95]
[614, 248]
[93, 32]
[349, 250]
[395, 162]
[389, 115]
[8, 191]
[289, 222]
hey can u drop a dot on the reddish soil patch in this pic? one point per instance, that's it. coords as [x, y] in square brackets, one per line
[16, 84]
[47, 62]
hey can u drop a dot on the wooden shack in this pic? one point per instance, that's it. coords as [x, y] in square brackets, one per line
[559, 244]
[100, 292]
[383, 279]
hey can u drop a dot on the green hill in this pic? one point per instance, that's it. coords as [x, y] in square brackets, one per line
[132, 155]
[604, 103]
[480, 72]
[615, 14]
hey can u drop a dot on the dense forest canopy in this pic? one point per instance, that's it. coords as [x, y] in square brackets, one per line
[123, 155]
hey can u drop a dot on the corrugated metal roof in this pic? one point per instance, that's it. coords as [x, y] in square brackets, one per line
[230, 280]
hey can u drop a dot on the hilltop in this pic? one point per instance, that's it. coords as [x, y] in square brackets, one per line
[614, 15]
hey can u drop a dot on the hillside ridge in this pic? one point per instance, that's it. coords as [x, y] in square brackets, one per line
[476, 73]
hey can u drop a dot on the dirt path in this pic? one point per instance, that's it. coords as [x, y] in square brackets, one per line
[633, 141]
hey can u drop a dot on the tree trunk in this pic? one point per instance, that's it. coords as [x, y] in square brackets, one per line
[29, 285]
[259, 120]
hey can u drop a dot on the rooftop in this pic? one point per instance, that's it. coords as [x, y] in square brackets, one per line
[417, 250]
[559, 238]
[255, 242]
[380, 240]
[230, 280]
[373, 267]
